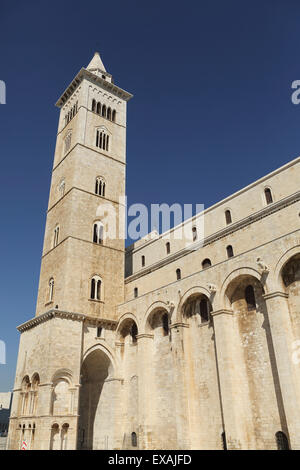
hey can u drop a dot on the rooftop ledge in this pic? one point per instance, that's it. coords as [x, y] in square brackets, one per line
[83, 73]
[55, 313]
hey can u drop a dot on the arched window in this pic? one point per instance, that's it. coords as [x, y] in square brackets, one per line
[94, 105]
[61, 187]
[165, 323]
[204, 310]
[102, 139]
[195, 235]
[109, 114]
[100, 186]
[135, 292]
[56, 236]
[206, 263]
[64, 436]
[268, 196]
[143, 261]
[133, 439]
[99, 331]
[51, 289]
[229, 250]
[178, 274]
[96, 288]
[67, 141]
[168, 248]
[114, 116]
[223, 436]
[228, 217]
[25, 395]
[34, 389]
[104, 111]
[98, 233]
[282, 441]
[98, 108]
[250, 298]
[134, 332]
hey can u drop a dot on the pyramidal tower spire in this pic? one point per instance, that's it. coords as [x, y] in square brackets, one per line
[96, 64]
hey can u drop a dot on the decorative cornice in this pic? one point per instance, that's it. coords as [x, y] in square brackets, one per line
[222, 311]
[272, 295]
[144, 335]
[83, 73]
[66, 315]
[228, 230]
[179, 325]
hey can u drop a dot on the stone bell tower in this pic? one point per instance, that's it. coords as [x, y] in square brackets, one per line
[82, 267]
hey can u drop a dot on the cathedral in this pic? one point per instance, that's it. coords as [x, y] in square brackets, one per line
[162, 345]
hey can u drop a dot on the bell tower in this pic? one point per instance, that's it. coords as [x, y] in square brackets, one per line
[82, 268]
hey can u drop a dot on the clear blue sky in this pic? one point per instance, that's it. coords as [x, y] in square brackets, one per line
[211, 110]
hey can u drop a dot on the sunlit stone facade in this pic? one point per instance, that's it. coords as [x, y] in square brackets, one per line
[197, 346]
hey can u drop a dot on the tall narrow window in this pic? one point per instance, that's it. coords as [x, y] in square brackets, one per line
[96, 288]
[143, 261]
[99, 331]
[61, 187]
[102, 139]
[67, 142]
[135, 292]
[94, 105]
[114, 116]
[178, 274]
[56, 236]
[268, 196]
[134, 332]
[165, 323]
[98, 233]
[250, 298]
[223, 436]
[133, 439]
[204, 310]
[206, 263]
[282, 441]
[109, 114]
[51, 289]
[100, 186]
[194, 231]
[104, 111]
[98, 109]
[168, 248]
[229, 250]
[228, 217]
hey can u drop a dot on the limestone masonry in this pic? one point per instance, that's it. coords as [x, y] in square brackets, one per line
[195, 348]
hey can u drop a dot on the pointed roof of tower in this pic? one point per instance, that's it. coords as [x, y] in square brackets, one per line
[96, 63]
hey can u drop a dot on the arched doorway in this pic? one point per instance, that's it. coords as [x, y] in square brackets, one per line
[96, 403]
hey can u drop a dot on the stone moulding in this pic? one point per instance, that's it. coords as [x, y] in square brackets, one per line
[66, 315]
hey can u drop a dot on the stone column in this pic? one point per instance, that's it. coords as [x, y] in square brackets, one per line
[181, 392]
[234, 401]
[288, 372]
[146, 392]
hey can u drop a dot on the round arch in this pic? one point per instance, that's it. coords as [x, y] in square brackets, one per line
[222, 300]
[123, 319]
[197, 290]
[295, 250]
[154, 308]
